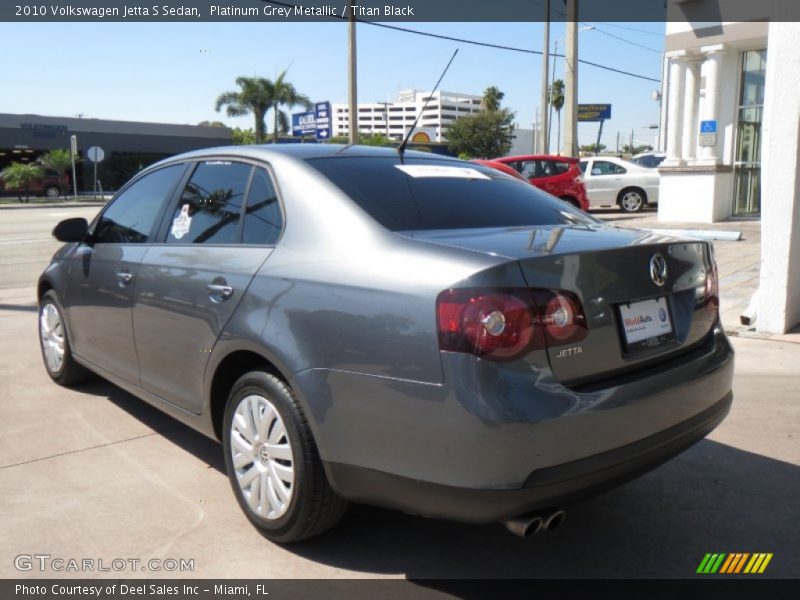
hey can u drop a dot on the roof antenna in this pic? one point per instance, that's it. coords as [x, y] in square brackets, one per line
[402, 147]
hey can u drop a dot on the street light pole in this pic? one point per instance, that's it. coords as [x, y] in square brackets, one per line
[351, 72]
[544, 134]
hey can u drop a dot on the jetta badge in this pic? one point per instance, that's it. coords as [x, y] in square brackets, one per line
[658, 270]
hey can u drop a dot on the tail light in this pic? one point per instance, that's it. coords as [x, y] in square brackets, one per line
[712, 289]
[506, 323]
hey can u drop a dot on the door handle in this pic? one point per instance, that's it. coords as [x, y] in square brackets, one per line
[124, 278]
[219, 291]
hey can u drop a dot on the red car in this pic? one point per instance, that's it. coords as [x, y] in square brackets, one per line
[50, 184]
[557, 175]
[500, 167]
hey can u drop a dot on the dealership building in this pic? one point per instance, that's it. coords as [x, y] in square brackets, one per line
[731, 121]
[128, 146]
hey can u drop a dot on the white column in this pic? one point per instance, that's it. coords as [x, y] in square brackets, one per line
[677, 80]
[691, 105]
[714, 56]
[779, 289]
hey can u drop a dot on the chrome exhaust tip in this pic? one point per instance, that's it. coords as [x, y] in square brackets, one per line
[525, 525]
[553, 519]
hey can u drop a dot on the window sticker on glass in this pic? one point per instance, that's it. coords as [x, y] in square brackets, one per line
[441, 171]
[182, 223]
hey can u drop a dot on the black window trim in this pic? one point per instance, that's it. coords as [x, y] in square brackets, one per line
[160, 238]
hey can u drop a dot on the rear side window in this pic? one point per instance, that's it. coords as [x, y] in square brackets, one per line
[130, 217]
[560, 166]
[263, 220]
[210, 206]
[401, 201]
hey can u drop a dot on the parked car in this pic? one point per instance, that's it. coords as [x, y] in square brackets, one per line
[503, 168]
[409, 331]
[556, 175]
[52, 184]
[612, 181]
[651, 160]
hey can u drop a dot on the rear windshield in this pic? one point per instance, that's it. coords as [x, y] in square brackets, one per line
[438, 194]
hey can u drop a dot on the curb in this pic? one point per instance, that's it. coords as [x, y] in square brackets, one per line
[51, 205]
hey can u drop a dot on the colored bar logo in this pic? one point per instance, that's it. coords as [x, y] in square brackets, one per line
[734, 563]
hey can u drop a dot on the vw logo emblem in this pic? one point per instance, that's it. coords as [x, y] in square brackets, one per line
[658, 270]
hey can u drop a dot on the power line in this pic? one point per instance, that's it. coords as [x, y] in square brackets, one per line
[631, 28]
[509, 48]
[484, 44]
[627, 41]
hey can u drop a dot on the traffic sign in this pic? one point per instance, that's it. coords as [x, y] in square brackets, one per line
[304, 123]
[322, 119]
[594, 112]
[708, 126]
[95, 154]
[708, 134]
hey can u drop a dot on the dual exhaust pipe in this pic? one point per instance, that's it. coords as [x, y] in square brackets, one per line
[532, 523]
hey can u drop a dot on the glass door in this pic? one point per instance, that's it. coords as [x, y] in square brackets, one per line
[747, 161]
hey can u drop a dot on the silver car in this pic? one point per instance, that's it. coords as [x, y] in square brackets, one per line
[409, 331]
[612, 181]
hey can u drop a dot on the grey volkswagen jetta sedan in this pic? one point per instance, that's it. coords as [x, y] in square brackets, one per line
[409, 331]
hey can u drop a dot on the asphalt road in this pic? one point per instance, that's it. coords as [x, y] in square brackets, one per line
[92, 472]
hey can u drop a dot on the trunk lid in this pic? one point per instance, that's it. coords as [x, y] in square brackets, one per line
[632, 320]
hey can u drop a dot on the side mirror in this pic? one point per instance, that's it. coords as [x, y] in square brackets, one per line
[71, 230]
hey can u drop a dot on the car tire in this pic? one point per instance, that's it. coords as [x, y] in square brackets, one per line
[273, 463]
[52, 191]
[54, 342]
[632, 200]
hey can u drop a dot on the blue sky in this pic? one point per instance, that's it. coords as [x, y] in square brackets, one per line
[173, 72]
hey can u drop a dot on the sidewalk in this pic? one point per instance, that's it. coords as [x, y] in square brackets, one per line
[739, 262]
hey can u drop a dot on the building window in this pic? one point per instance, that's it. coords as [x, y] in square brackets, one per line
[747, 161]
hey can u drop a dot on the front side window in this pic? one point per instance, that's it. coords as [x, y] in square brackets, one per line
[130, 217]
[603, 167]
[210, 206]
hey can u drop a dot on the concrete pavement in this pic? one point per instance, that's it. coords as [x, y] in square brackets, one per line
[93, 472]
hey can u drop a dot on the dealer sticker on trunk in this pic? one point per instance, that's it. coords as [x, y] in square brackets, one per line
[645, 319]
[417, 171]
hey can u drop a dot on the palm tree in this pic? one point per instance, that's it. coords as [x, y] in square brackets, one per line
[556, 94]
[21, 175]
[257, 96]
[285, 95]
[492, 98]
[59, 160]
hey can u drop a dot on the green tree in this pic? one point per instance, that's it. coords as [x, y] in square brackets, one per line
[243, 137]
[285, 94]
[20, 176]
[59, 160]
[256, 95]
[593, 148]
[492, 97]
[487, 134]
[211, 124]
[556, 95]
[633, 150]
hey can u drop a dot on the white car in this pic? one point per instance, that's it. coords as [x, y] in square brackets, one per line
[611, 181]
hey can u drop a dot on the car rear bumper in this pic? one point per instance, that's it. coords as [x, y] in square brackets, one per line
[496, 439]
[545, 488]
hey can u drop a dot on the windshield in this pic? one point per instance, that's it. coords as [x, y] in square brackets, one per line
[418, 194]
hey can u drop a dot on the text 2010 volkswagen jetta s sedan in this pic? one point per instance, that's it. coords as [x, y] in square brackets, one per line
[409, 331]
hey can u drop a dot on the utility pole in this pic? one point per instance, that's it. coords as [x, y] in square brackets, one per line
[571, 81]
[351, 72]
[544, 135]
[617, 143]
